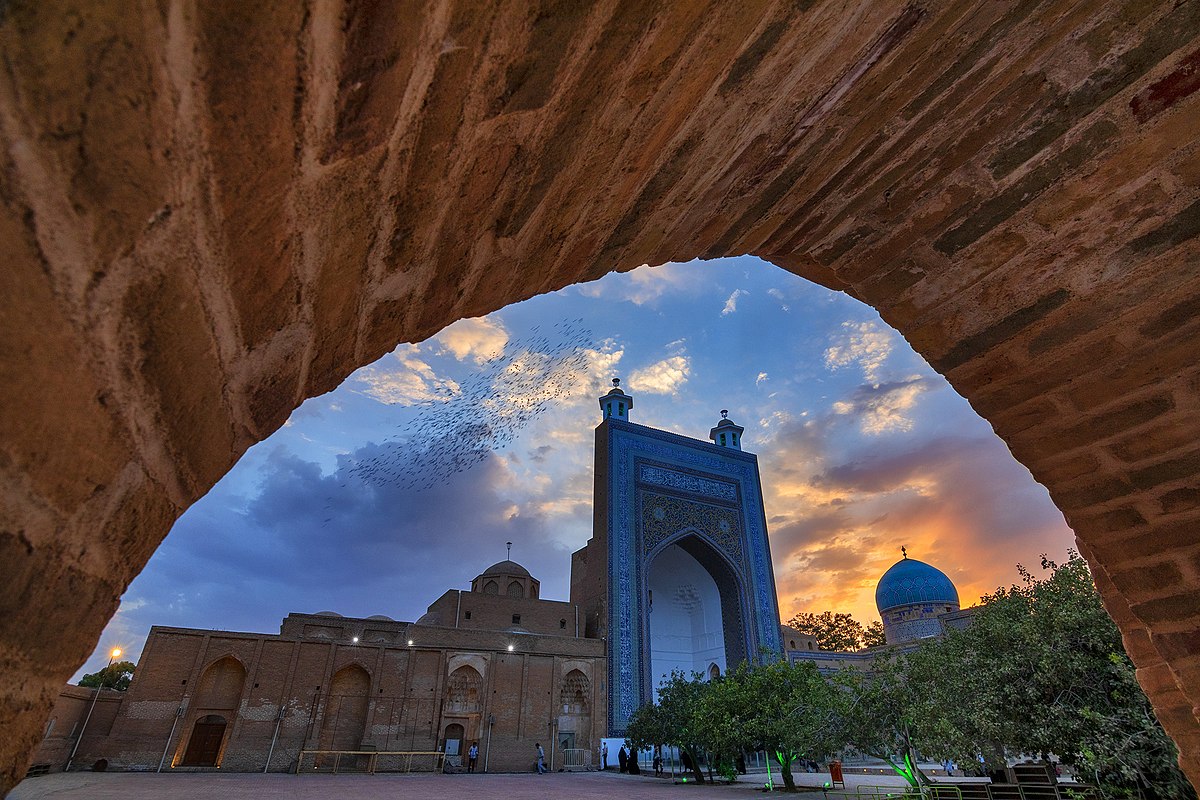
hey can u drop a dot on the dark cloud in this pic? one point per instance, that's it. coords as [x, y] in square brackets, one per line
[309, 542]
[538, 455]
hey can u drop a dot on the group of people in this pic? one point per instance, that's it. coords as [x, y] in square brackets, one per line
[628, 763]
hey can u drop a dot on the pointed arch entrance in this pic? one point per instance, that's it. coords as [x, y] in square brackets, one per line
[213, 713]
[695, 617]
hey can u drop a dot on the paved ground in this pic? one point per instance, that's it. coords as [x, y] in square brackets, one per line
[239, 786]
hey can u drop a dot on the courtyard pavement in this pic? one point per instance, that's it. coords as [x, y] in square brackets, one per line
[524, 786]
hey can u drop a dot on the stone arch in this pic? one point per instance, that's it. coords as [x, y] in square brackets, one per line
[491, 587]
[172, 310]
[515, 589]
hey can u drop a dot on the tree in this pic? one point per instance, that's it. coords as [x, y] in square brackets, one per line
[877, 716]
[115, 676]
[787, 709]
[1041, 669]
[873, 635]
[832, 631]
[673, 721]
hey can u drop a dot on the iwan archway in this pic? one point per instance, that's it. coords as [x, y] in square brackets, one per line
[211, 212]
[697, 592]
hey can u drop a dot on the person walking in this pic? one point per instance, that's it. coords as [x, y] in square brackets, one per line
[603, 755]
[623, 759]
[541, 762]
[472, 756]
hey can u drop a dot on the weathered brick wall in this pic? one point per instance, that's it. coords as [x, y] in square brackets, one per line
[406, 710]
[496, 612]
[212, 211]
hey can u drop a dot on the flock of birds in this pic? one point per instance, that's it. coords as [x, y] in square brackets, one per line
[456, 430]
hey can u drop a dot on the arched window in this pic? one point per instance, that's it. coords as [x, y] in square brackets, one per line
[576, 689]
[714, 672]
[491, 587]
[792, 644]
[515, 589]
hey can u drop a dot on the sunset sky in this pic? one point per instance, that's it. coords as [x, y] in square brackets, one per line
[862, 447]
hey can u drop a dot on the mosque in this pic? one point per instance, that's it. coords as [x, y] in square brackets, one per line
[676, 576]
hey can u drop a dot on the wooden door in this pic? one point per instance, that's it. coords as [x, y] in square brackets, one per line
[205, 745]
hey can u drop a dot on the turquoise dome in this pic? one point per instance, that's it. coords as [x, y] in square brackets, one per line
[911, 581]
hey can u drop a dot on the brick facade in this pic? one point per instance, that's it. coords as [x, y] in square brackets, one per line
[332, 682]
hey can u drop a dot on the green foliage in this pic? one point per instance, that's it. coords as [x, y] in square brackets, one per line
[789, 710]
[877, 715]
[1041, 670]
[116, 676]
[832, 631]
[673, 721]
[873, 635]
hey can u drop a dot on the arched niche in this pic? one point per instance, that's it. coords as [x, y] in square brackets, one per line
[344, 723]
[696, 610]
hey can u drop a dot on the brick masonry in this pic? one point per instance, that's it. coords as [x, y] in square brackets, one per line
[211, 213]
[283, 693]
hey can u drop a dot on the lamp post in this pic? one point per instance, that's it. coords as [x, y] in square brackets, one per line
[116, 652]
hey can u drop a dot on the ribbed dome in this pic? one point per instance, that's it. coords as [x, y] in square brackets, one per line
[506, 568]
[912, 581]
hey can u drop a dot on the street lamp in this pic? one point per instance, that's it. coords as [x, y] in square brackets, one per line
[113, 656]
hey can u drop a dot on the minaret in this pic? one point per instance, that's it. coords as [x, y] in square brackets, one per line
[727, 433]
[616, 404]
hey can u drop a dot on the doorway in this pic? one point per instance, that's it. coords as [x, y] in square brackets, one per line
[204, 747]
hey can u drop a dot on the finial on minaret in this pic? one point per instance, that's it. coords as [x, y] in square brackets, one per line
[904, 551]
[509, 550]
[727, 433]
[616, 404]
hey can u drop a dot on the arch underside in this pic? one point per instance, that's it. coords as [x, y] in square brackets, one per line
[231, 208]
[731, 613]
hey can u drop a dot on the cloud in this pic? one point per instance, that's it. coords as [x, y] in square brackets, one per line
[409, 381]
[881, 408]
[778, 295]
[346, 544]
[480, 339]
[731, 303]
[644, 285]
[838, 519]
[866, 344]
[762, 376]
[663, 377]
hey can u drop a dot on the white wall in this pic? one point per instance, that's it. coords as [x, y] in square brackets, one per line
[685, 617]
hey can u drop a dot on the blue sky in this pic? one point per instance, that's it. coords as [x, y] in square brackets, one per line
[410, 477]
